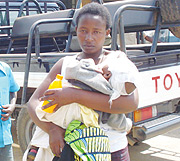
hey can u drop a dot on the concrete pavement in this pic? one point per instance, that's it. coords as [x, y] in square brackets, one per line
[161, 148]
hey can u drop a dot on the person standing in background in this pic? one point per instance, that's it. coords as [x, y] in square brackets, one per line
[8, 96]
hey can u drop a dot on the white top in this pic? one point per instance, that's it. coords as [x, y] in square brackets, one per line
[124, 67]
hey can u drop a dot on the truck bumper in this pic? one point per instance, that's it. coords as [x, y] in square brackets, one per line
[156, 127]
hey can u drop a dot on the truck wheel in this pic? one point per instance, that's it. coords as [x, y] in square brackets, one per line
[25, 129]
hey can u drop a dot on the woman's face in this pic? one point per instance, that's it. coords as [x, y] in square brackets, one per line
[91, 33]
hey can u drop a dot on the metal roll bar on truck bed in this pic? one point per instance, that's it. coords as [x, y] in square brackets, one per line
[11, 9]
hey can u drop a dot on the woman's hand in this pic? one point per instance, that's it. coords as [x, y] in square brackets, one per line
[56, 139]
[59, 97]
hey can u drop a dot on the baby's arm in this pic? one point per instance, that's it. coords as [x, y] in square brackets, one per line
[130, 87]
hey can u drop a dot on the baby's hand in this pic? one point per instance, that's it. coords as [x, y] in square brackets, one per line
[130, 87]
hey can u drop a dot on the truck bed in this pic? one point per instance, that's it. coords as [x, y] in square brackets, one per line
[35, 78]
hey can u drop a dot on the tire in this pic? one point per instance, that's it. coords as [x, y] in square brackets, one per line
[25, 129]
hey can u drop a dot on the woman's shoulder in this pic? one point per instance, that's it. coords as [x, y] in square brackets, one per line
[120, 59]
[115, 54]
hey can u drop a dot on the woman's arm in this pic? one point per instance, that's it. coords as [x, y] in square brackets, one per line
[100, 102]
[96, 101]
[39, 92]
[56, 134]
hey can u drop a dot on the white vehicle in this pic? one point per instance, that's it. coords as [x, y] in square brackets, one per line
[159, 64]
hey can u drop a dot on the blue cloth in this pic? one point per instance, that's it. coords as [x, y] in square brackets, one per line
[7, 85]
[164, 36]
[167, 36]
[173, 38]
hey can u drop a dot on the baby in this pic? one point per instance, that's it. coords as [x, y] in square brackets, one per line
[112, 78]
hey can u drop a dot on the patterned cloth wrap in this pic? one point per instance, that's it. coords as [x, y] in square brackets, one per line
[88, 143]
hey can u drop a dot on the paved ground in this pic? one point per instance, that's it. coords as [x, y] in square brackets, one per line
[17, 152]
[161, 148]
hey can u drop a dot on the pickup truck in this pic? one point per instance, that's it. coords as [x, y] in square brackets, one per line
[158, 63]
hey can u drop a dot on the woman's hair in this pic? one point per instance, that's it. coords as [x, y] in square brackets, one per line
[95, 9]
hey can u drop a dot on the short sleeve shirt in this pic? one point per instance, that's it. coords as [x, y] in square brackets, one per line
[7, 85]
